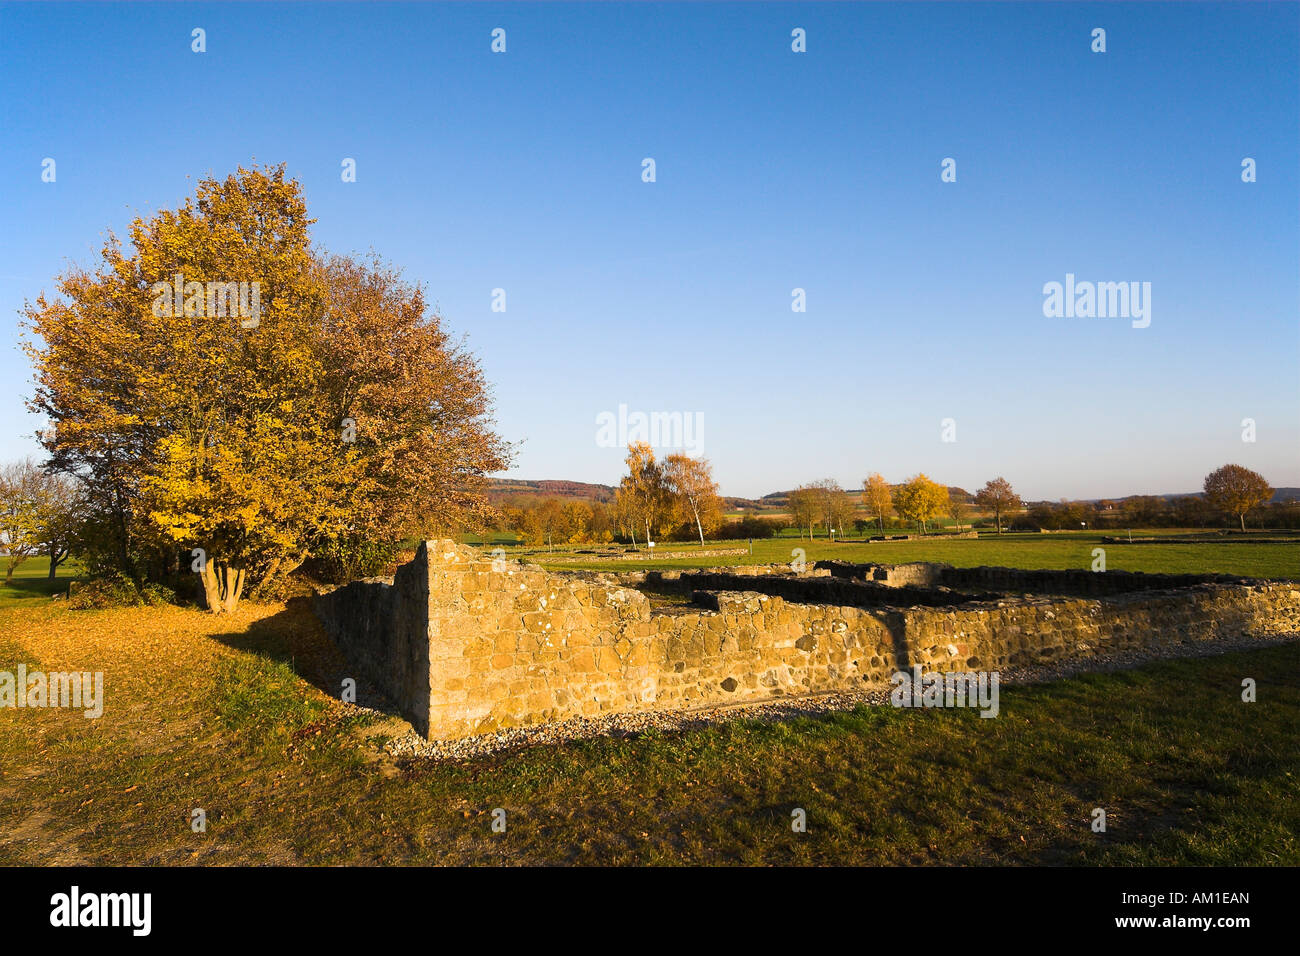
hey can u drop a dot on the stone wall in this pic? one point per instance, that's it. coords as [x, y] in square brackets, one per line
[382, 627]
[931, 536]
[464, 644]
[1018, 580]
[987, 636]
[815, 587]
[654, 554]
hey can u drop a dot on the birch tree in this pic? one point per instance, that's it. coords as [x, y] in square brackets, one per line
[690, 481]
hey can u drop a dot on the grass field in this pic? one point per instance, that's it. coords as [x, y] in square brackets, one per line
[31, 583]
[1063, 550]
[210, 714]
[236, 716]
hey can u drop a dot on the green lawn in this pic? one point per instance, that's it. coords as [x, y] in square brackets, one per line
[490, 539]
[1187, 773]
[31, 582]
[1061, 550]
[245, 726]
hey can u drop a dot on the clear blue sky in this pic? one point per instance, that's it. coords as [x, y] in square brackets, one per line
[775, 170]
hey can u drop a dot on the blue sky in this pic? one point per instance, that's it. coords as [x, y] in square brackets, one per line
[775, 170]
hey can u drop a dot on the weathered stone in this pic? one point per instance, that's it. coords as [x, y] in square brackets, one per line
[461, 649]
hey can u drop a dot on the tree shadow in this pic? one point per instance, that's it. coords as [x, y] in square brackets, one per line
[25, 588]
[296, 637]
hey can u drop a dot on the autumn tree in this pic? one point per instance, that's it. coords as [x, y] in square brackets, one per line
[624, 511]
[543, 520]
[803, 507]
[997, 496]
[577, 521]
[40, 513]
[548, 522]
[20, 496]
[60, 519]
[1143, 511]
[919, 499]
[603, 523]
[409, 404]
[834, 509]
[877, 497]
[644, 488]
[1189, 511]
[694, 492]
[1235, 490]
[336, 409]
[957, 506]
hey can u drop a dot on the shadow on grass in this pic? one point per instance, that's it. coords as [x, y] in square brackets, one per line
[23, 589]
[295, 638]
[41, 586]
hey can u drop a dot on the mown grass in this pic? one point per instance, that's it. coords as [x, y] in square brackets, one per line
[1059, 551]
[31, 582]
[235, 717]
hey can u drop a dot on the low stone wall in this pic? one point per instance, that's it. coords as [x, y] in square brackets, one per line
[382, 627]
[673, 576]
[652, 554]
[986, 637]
[1238, 538]
[464, 644]
[916, 574]
[816, 587]
[932, 536]
[1019, 580]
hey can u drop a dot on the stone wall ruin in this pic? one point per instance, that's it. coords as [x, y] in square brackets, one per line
[464, 644]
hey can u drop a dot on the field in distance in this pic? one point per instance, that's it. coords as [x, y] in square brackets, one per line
[1062, 550]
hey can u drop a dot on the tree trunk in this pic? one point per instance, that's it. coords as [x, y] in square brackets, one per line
[124, 540]
[1243, 520]
[234, 587]
[211, 592]
[222, 587]
[55, 560]
[700, 527]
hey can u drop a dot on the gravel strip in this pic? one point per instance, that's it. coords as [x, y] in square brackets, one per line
[875, 695]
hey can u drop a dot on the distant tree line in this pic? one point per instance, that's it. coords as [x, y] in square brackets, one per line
[1232, 494]
[651, 498]
[550, 521]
